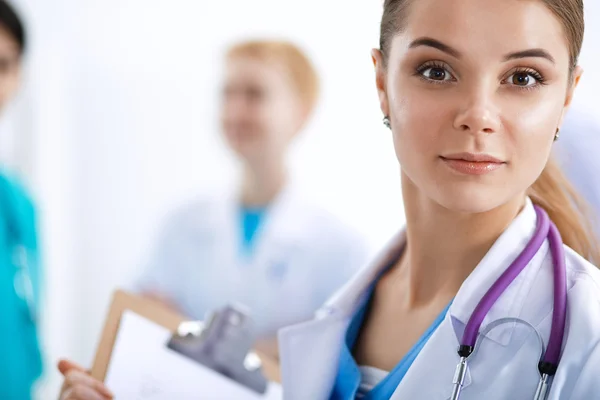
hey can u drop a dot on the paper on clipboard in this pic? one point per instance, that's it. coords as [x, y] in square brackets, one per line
[142, 367]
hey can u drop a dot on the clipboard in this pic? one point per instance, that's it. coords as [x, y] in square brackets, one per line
[159, 314]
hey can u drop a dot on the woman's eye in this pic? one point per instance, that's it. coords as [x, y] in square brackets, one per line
[436, 74]
[522, 79]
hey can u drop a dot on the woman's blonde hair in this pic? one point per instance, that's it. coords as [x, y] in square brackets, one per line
[301, 71]
[570, 213]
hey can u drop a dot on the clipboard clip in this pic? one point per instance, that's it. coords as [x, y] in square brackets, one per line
[224, 345]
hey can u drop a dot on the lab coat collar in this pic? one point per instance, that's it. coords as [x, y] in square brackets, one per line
[506, 249]
[502, 253]
[281, 228]
[289, 201]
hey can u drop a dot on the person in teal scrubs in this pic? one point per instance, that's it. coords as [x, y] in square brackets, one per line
[20, 359]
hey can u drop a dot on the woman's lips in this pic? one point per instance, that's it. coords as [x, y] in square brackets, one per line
[472, 164]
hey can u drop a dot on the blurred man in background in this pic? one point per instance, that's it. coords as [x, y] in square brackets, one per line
[261, 244]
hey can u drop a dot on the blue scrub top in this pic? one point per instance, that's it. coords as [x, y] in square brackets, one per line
[251, 220]
[20, 358]
[348, 378]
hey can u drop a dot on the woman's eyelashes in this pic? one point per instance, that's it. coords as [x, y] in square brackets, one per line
[525, 78]
[437, 72]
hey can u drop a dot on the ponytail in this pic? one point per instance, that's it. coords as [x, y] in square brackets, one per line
[570, 213]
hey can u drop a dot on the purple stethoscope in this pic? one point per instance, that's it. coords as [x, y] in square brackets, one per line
[549, 362]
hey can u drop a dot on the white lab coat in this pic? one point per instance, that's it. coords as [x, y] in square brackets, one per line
[504, 365]
[302, 255]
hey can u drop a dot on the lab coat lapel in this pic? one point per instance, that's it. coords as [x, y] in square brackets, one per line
[310, 351]
[511, 303]
[272, 237]
[439, 356]
[277, 251]
[430, 377]
[230, 212]
[277, 237]
[230, 280]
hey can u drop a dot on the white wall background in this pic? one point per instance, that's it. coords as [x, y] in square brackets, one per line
[120, 112]
[587, 94]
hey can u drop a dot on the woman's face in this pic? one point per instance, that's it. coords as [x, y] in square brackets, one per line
[9, 67]
[475, 91]
[261, 109]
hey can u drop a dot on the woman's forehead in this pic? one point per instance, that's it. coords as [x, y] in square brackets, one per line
[492, 27]
[255, 69]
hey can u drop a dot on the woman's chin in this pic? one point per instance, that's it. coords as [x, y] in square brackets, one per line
[470, 200]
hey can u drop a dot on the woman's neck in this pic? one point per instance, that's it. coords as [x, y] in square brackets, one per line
[443, 247]
[262, 183]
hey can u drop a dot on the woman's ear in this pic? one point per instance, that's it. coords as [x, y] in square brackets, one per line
[380, 80]
[577, 73]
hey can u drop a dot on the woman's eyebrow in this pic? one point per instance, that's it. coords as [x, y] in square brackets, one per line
[436, 44]
[538, 53]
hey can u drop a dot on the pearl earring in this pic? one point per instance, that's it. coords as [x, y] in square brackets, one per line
[387, 122]
[557, 134]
